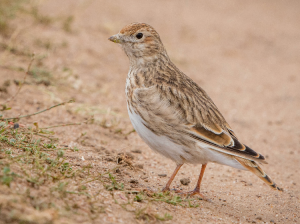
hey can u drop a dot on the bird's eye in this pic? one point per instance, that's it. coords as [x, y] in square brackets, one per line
[139, 35]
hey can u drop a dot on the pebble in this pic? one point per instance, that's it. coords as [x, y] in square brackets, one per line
[16, 125]
[185, 181]
[162, 175]
[133, 181]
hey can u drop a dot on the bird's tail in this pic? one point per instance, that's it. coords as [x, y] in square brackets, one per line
[255, 168]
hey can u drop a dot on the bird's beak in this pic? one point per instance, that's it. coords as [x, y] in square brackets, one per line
[115, 38]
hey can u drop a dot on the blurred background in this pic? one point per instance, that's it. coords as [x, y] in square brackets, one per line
[245, 54]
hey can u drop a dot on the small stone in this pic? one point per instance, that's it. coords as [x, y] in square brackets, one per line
[16, 125]
[272, 221]
[162, 175]
[133, 181]
[136, 151]
[185, 181]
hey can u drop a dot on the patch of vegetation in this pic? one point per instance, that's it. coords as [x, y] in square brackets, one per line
[67, 24]
[34, 152]
[30, 157]
[39, 17]
[8, 11]
[41, 75]
[114, 184]
[7, 176]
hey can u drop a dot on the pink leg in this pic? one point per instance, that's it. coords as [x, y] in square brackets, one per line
[197, 188]
[196, 191]
[167, 187]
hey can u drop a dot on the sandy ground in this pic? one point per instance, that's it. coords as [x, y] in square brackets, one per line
[245, 54]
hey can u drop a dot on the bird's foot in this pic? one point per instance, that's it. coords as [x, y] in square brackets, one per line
[165, 189]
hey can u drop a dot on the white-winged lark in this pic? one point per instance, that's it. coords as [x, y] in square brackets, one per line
[175, 116]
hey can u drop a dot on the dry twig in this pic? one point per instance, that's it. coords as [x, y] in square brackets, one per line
[69, 124]
[29, 115]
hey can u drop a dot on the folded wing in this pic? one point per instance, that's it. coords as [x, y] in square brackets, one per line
[197, 115]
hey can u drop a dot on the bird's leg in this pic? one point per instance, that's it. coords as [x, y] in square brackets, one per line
[197, 188]
[196, 191]
[167, 187]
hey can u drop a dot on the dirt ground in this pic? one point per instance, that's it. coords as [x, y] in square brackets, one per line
[245, 54]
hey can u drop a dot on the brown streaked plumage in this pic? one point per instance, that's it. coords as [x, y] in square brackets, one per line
[175, 116]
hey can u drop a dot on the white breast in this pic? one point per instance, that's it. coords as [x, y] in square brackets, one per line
[160, 144]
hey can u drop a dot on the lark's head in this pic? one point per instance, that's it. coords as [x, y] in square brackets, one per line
[140, 42]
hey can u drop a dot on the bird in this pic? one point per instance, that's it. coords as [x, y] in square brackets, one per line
[173, 115]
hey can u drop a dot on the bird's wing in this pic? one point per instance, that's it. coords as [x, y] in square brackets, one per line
[192, 113]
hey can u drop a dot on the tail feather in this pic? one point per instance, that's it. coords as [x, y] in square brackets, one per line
[255, 168]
